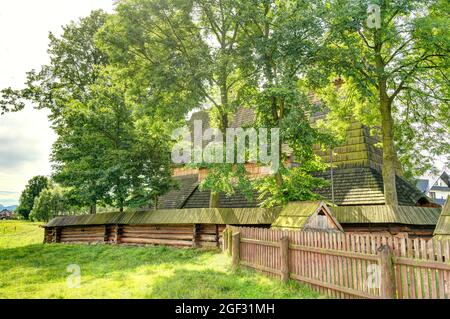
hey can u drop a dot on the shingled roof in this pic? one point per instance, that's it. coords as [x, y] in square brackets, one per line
[357, 178]
[177, 197]
[442, 230]
[220, 216]
[200, 199]
[385, 214]
[364, 186]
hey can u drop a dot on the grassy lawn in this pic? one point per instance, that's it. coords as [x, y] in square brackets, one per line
[29, 269]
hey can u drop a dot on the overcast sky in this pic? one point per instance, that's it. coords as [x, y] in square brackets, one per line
[25, 137]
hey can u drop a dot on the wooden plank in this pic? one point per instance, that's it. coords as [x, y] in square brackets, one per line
[418, 277]
[259, 242]
[412, 277]
[433, 282]
[336, 253]
[359, 264]
[340, 260]
[387, 273]
[425, 288]
[440, 273]
[364, 264]
[334, 287]
[348, 271]
[284, 247]
[422, 263]
[403, 289]
[327, 263]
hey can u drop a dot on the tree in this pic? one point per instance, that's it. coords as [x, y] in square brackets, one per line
[157, 50]
[283, 39]
[128, 156]
[393, 55]
[106, 152]
[75, 63]
[51, 202]
[187, 50]
[32, 190]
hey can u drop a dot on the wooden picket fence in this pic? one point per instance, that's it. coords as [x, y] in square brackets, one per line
[346, 265]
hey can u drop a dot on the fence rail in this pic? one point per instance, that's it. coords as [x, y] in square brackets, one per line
[346, 265]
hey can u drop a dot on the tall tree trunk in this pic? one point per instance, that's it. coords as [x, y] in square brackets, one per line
[156, 202]
[214, 200]
[93, 209]
[121, 205]
[387, 125]
[223, 125]
[389, 155]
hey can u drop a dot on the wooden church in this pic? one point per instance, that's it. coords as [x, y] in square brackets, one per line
[355, 193]
[354, 202]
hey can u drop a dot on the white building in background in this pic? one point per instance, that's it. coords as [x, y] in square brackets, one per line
[436, 187]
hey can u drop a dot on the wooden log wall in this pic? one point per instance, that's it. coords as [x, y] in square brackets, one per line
[210, 236]
[171, 235]
[81, 234]
[350, 265]
[182, 235]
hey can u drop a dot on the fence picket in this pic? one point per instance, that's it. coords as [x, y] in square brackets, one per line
[426, 288]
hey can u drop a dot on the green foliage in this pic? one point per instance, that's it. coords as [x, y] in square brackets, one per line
[128, 156]
[108, 151]
[50, 202]
[284, 38]
[298, 185]
[32, 190]
[159, 53]
[403, 64]
[228, 178]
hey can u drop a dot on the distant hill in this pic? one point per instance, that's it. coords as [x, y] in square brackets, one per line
[12, 207]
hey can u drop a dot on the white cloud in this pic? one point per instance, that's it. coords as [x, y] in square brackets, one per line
[25, 137]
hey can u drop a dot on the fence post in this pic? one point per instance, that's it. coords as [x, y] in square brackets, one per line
[224, 240]
[284, 246]
[230, 240]
[387, 274]
[236, 250]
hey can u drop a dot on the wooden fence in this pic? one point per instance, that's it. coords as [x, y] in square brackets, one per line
[346, 265]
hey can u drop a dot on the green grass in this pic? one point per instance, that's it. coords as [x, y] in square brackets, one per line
[29, 269]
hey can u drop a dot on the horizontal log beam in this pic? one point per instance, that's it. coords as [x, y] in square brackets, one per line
[339, 253]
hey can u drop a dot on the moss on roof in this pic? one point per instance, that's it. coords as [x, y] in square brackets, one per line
[442, 230]
[295, 215]
[408, 215]
[230, 216]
